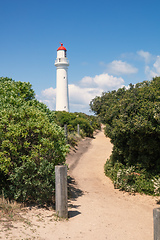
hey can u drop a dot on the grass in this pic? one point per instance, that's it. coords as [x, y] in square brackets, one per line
[9, 211]
[12, 211]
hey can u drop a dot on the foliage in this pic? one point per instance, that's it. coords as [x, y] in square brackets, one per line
[130, 179]
[87, 123]
[63, 117]
[17, 93]
[73, 139]
[92, 120]
[43, 108]
[132, 118]
[156, 182]
[84, 125]
[14, 93]
[31, 144]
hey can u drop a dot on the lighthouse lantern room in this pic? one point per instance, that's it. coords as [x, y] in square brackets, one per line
[62, 63]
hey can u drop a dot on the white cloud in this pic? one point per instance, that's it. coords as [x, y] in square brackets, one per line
[154, 70]
[150, 73]
[146, 55]
[156, 65]
[120, 68]
[50, 93]
[104, 81]
[48, 96]
[87, 81]
[108, 81]
[81, 95]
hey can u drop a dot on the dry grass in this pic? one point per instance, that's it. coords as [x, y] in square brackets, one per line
[9, 211]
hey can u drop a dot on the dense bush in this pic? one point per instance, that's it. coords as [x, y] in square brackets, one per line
[31, 144]
[14, 93]
[63, 117]
[132, 118]
[130, 179]
[86, 123]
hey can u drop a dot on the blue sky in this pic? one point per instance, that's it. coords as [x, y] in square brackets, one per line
[109, 45]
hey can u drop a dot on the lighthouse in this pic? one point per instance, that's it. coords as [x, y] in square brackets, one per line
[62, 63]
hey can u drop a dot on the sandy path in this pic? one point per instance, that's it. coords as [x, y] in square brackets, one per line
[97, 211]
[106, 213]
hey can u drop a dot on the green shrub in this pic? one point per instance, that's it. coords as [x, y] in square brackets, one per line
[14, 93]
[63, 117]
[82, 133]
[130, 179]
[84, 125]
[30, 147]
[70, 128]
[156, 183]
[31, 144]
[132, 118]
[87, 123]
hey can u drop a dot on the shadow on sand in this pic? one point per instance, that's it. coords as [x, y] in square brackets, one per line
[73, 193]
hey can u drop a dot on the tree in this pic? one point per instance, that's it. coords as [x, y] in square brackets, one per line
[132, 120]
[31, 144]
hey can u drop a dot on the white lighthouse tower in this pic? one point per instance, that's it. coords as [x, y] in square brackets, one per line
[62, 63]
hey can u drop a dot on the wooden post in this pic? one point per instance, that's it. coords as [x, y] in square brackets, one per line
[61, 191]
[65, 130]
[156, 220]
[78, 129]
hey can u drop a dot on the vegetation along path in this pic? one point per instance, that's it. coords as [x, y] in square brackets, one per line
[105, 212]
[96, 209]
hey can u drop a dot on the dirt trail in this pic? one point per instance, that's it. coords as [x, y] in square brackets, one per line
[97, 211]
[103, 212]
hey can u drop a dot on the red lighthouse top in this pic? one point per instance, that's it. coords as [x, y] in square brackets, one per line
[62, 48]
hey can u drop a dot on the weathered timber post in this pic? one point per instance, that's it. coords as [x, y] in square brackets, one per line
[65, 131]
[61, 191]
[78, 129]
[156, 220]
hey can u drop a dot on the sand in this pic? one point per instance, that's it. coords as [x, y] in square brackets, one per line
[97, 211]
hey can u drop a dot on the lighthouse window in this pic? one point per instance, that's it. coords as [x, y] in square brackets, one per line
[64, 77]
[65, 54]
[59, 59]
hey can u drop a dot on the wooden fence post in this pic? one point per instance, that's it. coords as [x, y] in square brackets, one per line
[78, 129]
[65, 130]
[61, 191]
[156, 220]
